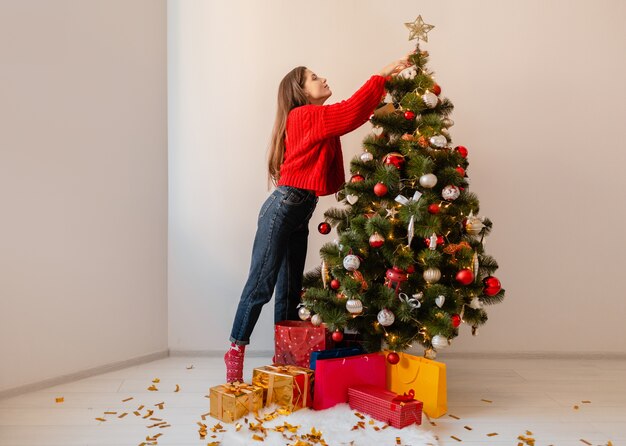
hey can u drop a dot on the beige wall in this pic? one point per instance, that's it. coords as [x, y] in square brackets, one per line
[539, 92]
[83, 185]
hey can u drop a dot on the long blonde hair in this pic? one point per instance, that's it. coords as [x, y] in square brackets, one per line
[290, 95]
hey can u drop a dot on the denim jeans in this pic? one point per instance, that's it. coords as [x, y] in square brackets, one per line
[278, 257]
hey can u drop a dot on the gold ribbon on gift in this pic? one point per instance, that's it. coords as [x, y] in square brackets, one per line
[246, 396]
[282, 386]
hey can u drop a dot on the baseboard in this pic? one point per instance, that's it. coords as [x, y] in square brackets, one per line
[532, 355]
[63, 379]
[217, 353]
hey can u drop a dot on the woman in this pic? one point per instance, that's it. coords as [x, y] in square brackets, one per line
[305, 162]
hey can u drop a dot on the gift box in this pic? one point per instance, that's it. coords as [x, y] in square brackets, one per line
[426, 377]
[288, 386]
[333, 377]
[386, 406]
[232, 401]
[295, 340]
[335, 353]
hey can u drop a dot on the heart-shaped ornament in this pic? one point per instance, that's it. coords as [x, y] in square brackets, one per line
[439, 300]
[352, 198]
[377, 130]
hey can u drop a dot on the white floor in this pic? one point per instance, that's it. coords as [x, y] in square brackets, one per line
[561, 402]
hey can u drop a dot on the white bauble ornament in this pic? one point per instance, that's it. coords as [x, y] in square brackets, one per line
[429, 353]
[430, 99]
[475, 303]
[450, 192]
[351, 262]
[316, 320]
[366, 157]
[432, 275]
[438, 141]
[439, 300]
[439, 341]
[428, 180]
[408, 73]
[304, 313]
[385, 317]
[354, 306]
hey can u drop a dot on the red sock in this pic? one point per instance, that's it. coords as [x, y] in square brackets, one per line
[234, 362]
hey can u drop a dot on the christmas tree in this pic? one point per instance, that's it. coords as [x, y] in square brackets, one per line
[408, 265]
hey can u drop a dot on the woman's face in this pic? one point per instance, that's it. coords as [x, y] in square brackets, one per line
[315, 88]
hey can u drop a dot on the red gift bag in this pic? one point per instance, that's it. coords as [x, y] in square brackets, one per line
[295, 340]
[333, 377]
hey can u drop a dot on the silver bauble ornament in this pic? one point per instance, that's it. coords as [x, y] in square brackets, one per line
[428, 180]
[439, 341]
[385, 317]
[304, 313]
[445, 132]
[430, 99]
[316, 320]
[366, 157]
[475, 303]
[429, 353]
[354, 306]
[473, 224]
[447, 122]
[450, 192]
[432, 275]
[438, 141]
[351, 262]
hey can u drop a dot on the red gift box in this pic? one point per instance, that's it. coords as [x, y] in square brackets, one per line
[333, 377]
[396, 410]
[295, 340]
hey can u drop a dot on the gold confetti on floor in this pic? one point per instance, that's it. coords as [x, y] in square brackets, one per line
[177, 388]
[585, 441]
[152, 388]
[123, 415]
[586, 402]
[59, 399]
[576, 408]
[492, 434]
[468, 428]
[156, 380]
[454, 416]
[100, 419]
[127, 399]
[455, 438]
[189, 367]
[486, 401]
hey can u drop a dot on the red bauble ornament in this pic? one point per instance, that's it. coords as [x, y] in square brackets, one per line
[465, 276]
[334, 284]
[436, 89]
[434, 208]
[380, 190]
[394, 159]
[393, 358]
[492, 286]
[456, 320]
[376, 240]
[337, 336]
[323, 228]
[408, 115]
[460, 170]
[357, 178]
[394, 277]
[462, 151]
[410, 269]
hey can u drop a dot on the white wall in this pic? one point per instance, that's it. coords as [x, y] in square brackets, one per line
[83, 185]
[539, 93]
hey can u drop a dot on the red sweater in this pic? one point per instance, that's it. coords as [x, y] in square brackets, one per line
[313, 158]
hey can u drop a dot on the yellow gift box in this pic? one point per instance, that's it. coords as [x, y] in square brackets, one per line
[287, 386]
[232, 401]
[427, 378]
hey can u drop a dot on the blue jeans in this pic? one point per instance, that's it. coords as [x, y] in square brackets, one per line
[278, 257]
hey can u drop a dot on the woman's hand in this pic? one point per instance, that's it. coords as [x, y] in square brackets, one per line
[396, 66]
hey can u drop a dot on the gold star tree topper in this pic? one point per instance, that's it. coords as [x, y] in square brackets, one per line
[419, 29]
